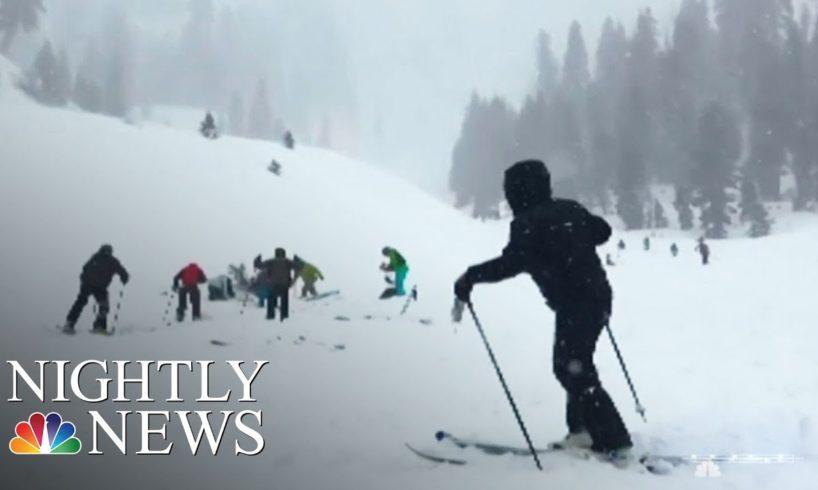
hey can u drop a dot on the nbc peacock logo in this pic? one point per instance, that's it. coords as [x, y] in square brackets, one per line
[45, 434]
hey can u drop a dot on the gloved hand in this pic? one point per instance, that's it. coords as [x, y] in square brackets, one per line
[384, 267]
[175, 288]
[462, 289]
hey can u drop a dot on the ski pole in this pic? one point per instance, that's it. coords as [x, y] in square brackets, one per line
[118, 307]
[505, 386]
[412, 296]
[165, 319]
[639, 408]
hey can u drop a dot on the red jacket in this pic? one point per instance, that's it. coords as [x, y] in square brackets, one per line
[191, 276]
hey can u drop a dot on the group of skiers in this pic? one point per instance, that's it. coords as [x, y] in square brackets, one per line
[702, 248]
[552, 240]
[272, 283]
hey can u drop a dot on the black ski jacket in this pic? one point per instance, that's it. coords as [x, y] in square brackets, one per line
[100, 269]
[277, 272]
[555, 243]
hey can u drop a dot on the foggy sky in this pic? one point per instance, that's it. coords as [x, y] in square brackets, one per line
[412, 63]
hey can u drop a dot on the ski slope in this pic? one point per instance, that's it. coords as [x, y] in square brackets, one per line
[723, 357]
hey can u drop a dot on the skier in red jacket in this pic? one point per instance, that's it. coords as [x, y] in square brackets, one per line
[190, 276]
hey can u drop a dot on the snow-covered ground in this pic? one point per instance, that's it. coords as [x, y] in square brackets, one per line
[723, 357]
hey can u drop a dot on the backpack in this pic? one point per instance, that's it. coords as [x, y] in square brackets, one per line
[191, 275]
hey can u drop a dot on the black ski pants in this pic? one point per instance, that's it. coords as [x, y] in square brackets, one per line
[589, 407]
[279, 298]
[100, 295]
[195, 301]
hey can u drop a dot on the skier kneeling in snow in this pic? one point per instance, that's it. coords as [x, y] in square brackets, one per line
[278, 273]
[309, 274]
[190, 276]
[398, 265]
[96, 276]
[220, 288]
[554, 241]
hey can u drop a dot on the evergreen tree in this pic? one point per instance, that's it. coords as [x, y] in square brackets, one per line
[659, 218]
[498, 141]
[636, 123]
[41, 81]
[62, 78]
[17, 15]
[547, 65]
[288, 140]
[575, 72]
[570, 108]
[466, 154]
[718, 149]
[643, 85]
[208, 127]
[532, 140]
[260, 118]
[808, 177]
[683, 208]
[603, 104]
[799, 134]
[752, 42]
[753, 210]
[688, 80]
[87, 92]
[481, 154]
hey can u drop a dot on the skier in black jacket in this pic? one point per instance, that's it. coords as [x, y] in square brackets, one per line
[278, 274]
[554, 241]
[96, 276]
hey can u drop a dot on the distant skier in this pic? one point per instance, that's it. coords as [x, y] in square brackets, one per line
[397, 264]
[261, 286]
[220, 288]
[621, 245]
[554, 241]
[309, 274]
[646, 244]
[674, 250]
[609, 260]
[278, 274]
[289, 140]
[208, 127]
[190, 276]
[704, 251]
[96, 276]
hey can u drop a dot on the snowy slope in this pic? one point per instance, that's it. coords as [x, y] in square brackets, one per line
[723, 362]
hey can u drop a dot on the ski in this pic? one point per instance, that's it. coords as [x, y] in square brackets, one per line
[488, 448]
[107, 333]
[436, 459]
[655, 464]
[326, 295]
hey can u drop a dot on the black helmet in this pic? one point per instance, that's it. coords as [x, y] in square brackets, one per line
[386, 250]
[280, 253]
[527, 184]
[106, 249]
